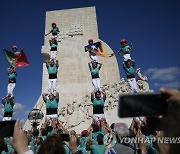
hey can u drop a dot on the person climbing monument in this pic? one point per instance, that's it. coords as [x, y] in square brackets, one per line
[12, 80]
[125, 49]
[92, 55]
[52, 68]
[53, 51]
[8, 103]
[94, 68]
[98, 104]
[51, 102]
[55, 31]
[128, 67]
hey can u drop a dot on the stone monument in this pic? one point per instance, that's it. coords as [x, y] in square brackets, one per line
[74, 79]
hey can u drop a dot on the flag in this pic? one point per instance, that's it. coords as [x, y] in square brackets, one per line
[17, 60]
[97, 49]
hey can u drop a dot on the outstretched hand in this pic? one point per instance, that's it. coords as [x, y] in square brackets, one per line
[19, 140]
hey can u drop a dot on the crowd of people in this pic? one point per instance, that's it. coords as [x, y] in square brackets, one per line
[100, 137]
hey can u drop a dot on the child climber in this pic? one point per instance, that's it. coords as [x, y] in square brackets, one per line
[55, 31]
[125, 49]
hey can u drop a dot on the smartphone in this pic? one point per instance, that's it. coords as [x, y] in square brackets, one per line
[142, 104]
[7, 128]
[157, 123]
[65, 137]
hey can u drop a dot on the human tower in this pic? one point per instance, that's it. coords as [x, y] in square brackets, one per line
[51, 98]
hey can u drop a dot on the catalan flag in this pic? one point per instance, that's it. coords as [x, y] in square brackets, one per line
[97, 49]
[17, 60]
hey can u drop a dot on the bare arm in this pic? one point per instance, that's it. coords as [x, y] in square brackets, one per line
[92, 96]
[89, 64]
[104, 95]
[100, 65]
[57, 64]
[57, 95]
[44, 96]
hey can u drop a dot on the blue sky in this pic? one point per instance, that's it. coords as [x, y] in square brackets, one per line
[152, 26]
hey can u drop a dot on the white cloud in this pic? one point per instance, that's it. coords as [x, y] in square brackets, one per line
[18, 106]
[163, 74]
[175, 85]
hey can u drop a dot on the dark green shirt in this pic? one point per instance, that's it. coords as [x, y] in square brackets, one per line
[8, 105]
[125, 50]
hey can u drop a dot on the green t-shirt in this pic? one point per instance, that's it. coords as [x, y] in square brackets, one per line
[97, 149]
[95, 134]
[98, 102]
[125, 50]
[12, 76]
[67, 150]
[54, 45]
[55, 30]
[129, 71]
[94, 70]
[8, 105]
[52, 69]
[52, 103]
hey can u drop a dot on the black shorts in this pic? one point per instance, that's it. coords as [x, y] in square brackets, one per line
[54, 49]
[98, 109]
[50, 111]
[8, 114]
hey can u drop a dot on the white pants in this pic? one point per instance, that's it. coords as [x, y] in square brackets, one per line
[52, 85]
[50, 118]
[53, 55]
[54, 36]
[96, 84]
[139, 119]
[133, 85]
[126, 57]
[98, 116]
[10, 88]
[93, 57]
[6, 118]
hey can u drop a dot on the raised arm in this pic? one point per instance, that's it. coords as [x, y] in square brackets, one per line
[104, 95]
[92, 96]
[44, 96]
[89, 64]
[57, 95]
[48, 33]
[3, 100]
[47, 63]
[57, 64]
[100, 64]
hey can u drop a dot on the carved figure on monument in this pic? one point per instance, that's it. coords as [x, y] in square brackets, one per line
[142, 81]
[94, 68]
[52, 68]
[75, 117]
[140, 76]
[55, 31]
[128, 67]
[62, 116]
[124, 86]
[125, 49]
